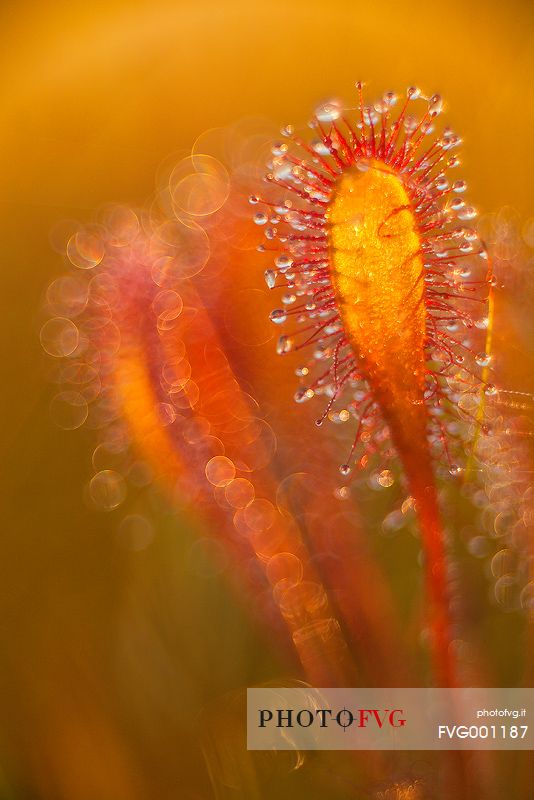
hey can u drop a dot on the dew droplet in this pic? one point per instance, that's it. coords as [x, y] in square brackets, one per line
[284, 345]
[278, 315]
[283, 261]
[483, 359]
[468, 213]
[319, 147]
[435, 104]
[329, 111]
[289, 299]
[302, 395]
[279, 148]
[270, 278]
[260, 218]
[459, 186]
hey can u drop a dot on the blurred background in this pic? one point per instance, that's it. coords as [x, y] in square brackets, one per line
[111, 645]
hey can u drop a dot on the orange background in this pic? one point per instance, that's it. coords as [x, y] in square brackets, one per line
[94, 97]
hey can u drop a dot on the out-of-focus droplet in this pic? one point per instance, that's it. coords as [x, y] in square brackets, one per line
[69, 410]
[385, 478]
[239, 493]
[284, 566]
[303, 602]
[196, 430]
[167, 306]
[59, 337]
[201, 194]
[107, 489]
[108, 457]
[503, 563]
[123, 225]
[67, 296]
[85, 249]
[502, 524]
[176, 374]
[393, 522]
[199, 185]
[259, 515]
[506, 592]
[478, 546]
[220, 471]
[166, 413]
